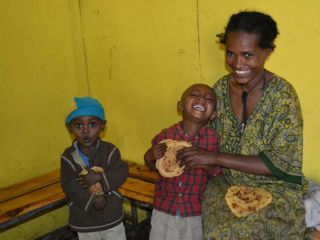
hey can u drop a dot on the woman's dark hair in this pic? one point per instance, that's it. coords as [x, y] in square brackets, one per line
[253, 22]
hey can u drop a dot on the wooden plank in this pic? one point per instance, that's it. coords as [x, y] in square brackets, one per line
[315, 235]
[33, 197]
[142, 172]
[138, 190]
[132, 188]
[30, 201]
[29, 185]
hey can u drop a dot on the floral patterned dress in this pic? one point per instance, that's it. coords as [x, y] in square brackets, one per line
[275, 132]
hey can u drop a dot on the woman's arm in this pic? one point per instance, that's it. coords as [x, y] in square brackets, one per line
[195, 157]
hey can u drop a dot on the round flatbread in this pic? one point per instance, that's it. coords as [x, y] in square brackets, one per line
[94, 188]
[243, 200]
[167, 165]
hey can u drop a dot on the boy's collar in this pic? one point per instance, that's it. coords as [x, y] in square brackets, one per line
[182, 131]
[76, 144]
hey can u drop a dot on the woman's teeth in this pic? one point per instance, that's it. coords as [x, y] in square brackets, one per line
[241, 72]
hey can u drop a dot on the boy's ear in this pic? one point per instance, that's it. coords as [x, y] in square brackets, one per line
[213, 116]
[103, 125]
[69, 127]
[179, 107]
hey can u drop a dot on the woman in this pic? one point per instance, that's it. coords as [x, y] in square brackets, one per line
[260, 121]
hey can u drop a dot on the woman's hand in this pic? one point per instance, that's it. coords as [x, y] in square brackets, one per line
[155, 152]
[194, 157]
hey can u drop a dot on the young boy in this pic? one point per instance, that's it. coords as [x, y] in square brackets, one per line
[91, 173]
[177, 203]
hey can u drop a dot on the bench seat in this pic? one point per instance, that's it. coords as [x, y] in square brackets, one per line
[31, 198]
[23, 201]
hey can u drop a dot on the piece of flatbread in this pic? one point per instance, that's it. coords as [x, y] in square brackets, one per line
[167, 165]
[94, 188]
[243, 200]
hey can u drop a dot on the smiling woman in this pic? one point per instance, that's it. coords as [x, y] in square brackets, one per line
[260, 121]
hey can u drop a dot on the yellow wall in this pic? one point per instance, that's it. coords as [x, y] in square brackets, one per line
[141, 54]
[41, 68]
[136, 57]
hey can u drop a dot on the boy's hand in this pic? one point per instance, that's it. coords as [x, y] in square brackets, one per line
[96, 189]
[159, 150]
[86, 180]
[154, 153]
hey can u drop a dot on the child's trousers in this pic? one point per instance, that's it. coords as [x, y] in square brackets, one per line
[168, 227]
[116, 233]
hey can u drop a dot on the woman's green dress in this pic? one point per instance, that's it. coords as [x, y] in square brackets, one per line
[275, 132]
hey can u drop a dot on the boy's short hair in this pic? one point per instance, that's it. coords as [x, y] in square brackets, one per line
[85, 106]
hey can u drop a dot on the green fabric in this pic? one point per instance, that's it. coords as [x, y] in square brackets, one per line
[274, 131]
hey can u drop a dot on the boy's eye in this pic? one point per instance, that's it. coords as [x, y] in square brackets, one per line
[194, 95]
[77, 125]
[210, 99]
[92, 124]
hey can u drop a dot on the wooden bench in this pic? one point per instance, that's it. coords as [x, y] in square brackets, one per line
[316, 235]
[23, 201]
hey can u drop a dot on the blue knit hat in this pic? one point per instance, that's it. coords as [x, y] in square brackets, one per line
[86, 106]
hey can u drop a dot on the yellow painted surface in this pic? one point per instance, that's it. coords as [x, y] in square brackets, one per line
[38, 226]
[136, 57]
[41, 68]
[142, 54]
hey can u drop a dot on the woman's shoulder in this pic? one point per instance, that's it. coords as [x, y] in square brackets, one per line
[280, 85]
[222, 80]
[221, 85]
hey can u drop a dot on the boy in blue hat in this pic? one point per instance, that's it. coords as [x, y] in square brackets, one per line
[91, 173]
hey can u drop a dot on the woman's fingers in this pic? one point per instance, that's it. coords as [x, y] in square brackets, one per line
[194, 157]
[187, 157]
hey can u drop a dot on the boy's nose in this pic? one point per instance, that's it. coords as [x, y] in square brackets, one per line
[202, 99]
[85, 129]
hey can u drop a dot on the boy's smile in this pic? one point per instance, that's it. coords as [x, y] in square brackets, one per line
[199, 107]
[198, 103]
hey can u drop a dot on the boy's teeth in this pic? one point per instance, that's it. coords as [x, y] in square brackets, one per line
[199, 107]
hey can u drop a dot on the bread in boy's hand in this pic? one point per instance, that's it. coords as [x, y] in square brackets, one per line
[94, 188]
[168, 165]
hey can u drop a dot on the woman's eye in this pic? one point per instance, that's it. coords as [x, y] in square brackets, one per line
[247, 55]
[229, 54]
